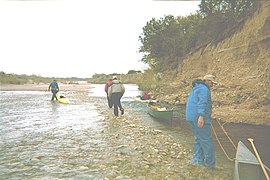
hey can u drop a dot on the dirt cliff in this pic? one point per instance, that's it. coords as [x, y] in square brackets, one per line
[241, 64]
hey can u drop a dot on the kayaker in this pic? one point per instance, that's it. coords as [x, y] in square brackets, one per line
[54, 88]
[198, 114]
[115, 92]
[107, 85]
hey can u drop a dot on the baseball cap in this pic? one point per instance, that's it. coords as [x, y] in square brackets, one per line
[210, 78]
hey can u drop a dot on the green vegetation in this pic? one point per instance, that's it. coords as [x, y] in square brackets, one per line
[132, 77]
[12, 79]
[166, 41]
[149, 81]
[24, 79]
[134, 72]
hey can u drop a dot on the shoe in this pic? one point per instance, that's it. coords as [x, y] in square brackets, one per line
[196, 163]
[122, 111]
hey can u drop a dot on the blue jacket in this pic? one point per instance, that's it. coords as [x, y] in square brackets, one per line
[54, 85]
[199, 103]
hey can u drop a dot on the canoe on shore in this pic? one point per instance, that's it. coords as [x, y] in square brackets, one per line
[138, 99]
[162, 112]
[247, 166]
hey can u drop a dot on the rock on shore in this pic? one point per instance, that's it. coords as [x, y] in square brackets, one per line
[142, 152]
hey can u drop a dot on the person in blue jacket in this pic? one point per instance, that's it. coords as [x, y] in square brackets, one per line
[54, 88]
[198, 114]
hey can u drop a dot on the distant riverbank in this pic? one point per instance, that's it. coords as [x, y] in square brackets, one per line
[43, 87]
[226, 113]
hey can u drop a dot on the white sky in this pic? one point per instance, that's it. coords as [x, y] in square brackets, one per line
[77, 38]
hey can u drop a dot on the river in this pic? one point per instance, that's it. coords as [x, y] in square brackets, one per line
[44, 139]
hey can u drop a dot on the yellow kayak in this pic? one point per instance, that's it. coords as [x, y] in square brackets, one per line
[62, 99]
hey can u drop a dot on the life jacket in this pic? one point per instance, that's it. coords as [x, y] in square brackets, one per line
[54, 85]
[146, 95]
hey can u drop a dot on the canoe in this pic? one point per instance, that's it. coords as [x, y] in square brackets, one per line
[247, 166]
[138, 99]
[62, 99]
[162, 112]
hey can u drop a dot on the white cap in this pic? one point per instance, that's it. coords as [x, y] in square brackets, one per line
[210, 78]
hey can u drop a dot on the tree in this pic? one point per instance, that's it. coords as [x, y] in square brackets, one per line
[133, 72]
[162, 42]
[165, 41]
[221, 16]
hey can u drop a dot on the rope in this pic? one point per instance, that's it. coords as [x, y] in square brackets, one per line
[231, 159]
[225, 132]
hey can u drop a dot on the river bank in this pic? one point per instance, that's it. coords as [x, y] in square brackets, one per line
[231, 105]
[120, 148]
[139, 151]
[43, 87]
[142, 152]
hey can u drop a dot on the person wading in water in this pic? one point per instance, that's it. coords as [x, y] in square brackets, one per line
[54, 88]
[116, 91]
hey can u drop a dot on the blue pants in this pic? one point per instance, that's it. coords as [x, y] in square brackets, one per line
[203, 145]
[54, 91]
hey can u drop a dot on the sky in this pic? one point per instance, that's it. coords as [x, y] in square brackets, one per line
[78, 38]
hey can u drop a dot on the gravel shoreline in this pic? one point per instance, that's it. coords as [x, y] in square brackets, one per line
[142, 152]
[138, 151]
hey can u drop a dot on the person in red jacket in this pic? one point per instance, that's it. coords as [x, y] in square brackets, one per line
[145, 96]
[108, 84]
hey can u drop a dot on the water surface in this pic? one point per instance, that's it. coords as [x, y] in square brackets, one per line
[40, 138]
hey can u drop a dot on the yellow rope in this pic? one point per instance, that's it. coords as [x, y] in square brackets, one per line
[231, 159]
[225, 132]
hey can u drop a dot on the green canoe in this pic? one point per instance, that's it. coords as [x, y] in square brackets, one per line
[247, 166]
[162, 112]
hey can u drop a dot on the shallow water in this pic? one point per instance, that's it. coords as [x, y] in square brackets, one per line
[44, 139]
[39, 137]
